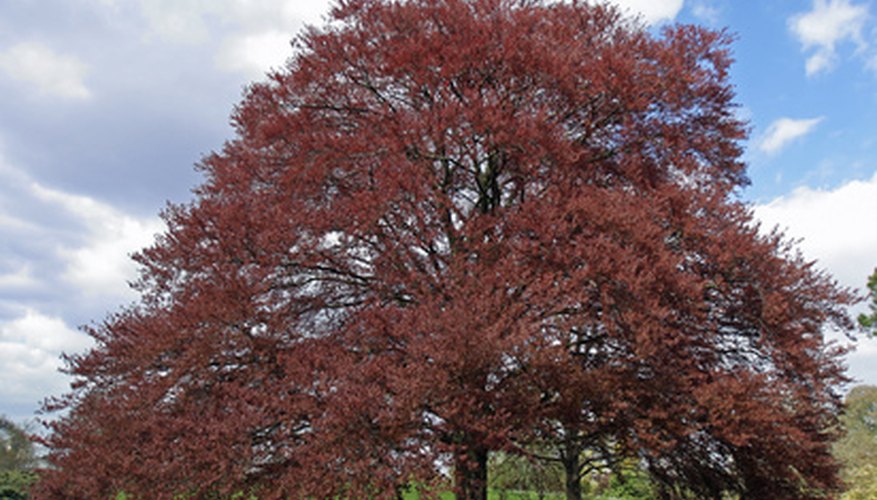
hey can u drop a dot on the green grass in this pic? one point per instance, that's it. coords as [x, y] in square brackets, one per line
[446, 495]
[494, 495]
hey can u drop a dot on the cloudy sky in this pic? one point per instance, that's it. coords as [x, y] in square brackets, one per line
[107, 104]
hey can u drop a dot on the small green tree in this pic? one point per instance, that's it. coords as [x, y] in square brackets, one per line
[627, 481]
[635, 486]
[17, 461]
[859, 444]
[869, 321]
[15, 484]
[857, 450]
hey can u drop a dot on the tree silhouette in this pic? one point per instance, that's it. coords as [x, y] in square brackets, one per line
[455, 226]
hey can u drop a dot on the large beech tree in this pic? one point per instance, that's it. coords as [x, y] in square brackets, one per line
[455, 226]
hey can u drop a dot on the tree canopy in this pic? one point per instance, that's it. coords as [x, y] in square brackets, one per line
[450, 227]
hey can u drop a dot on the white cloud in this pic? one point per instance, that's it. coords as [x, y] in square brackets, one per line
[251, 37]
[100, 265]
[651, 11]
[785, 130]
[707, 13]
[834, 229]
[262, 35]
[45, 333]
[827, 24]
[30, 350]
[833, 226]
[254, 53]
[51, 73]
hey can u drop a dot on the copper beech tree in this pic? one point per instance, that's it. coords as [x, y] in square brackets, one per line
[451, 227]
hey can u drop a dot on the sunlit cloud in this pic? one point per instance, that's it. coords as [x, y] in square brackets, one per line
[827, 24]
[830, 226]
[253, 54]
[783, 131]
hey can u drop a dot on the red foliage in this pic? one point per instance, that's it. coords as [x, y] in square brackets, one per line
[449, 227]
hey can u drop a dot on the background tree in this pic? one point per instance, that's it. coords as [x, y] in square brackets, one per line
[450, 227]
[869, 321]
[857, 449]
[512, 473]
[631, 483]
[17, 461]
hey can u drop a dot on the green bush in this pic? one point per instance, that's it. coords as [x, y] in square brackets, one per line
[14, 484]
[634, 485]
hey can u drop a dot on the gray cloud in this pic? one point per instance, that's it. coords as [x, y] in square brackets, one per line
[37, 66]
[63, 261]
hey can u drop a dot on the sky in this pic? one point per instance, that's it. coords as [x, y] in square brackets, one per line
[108, 104]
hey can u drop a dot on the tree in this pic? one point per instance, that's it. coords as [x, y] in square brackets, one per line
[633, 485]
[16, 449]
[513, 472]
[17, 461]
[450, 227]
[857, 449]
[869, 321]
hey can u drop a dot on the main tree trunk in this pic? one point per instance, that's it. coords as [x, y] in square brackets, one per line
[470, 474]
[573, 483]
[570, 455]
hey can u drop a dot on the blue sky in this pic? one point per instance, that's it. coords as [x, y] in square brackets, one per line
[107, 104]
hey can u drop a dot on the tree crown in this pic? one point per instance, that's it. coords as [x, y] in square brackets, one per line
[455, 226]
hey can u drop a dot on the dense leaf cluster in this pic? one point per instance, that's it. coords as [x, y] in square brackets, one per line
[450, 227]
